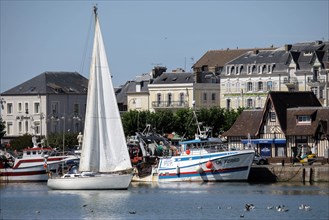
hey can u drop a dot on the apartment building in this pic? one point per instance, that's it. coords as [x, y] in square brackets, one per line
[178, 89]
[49, 102]
[246, 80]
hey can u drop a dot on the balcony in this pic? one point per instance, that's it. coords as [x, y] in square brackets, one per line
[316, 81]
[168, 104]
[290, 82]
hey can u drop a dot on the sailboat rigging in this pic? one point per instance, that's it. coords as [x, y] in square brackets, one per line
[105, 161]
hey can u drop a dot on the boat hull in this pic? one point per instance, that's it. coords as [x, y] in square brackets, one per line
[220, 166]
[36, 173]
[96, 182]
[32, 171]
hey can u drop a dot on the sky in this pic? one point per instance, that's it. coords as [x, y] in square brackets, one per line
[38, 36]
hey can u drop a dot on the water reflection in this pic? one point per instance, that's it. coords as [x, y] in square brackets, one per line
[165, 201]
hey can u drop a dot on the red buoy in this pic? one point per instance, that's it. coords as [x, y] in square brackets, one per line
[209, 164]
[188, 152]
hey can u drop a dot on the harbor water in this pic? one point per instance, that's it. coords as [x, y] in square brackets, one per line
[167, 201]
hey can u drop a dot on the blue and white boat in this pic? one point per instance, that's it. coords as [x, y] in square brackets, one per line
[201, 159]
[206, 160]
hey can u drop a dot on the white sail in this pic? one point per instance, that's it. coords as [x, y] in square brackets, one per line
[104, 147]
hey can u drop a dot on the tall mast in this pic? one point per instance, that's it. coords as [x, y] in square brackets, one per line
[95, 11]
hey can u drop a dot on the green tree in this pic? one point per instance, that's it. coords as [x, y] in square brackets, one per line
[55, 140]
[21, 142]
[182, 121]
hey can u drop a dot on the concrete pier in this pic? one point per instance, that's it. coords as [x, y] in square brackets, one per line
[289, 173]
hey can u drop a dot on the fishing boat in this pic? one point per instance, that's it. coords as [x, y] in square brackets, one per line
[104, 162]
[202, 159]
[32, 165]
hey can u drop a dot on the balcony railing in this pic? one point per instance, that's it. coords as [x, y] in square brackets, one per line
[317, 81]
[290, 80]
[168, 104]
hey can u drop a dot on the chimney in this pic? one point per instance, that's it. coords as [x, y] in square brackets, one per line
[256, 51]
[158, 70]
[287, 47]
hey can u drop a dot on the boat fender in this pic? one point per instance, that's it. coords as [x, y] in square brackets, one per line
[209, 164]
[188, 152]
[199, 169]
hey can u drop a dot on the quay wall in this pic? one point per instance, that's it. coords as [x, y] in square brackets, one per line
[289, 173]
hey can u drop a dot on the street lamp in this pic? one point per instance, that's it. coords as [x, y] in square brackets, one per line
[63, 118]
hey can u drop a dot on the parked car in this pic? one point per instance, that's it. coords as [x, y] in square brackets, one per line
[260, 160]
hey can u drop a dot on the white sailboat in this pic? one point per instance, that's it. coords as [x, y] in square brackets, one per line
[105, 161]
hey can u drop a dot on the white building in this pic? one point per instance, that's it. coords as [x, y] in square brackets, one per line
[49, 102]
[246, 80]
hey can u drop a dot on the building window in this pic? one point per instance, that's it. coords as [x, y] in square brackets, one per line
[76, 108]
[9, 128]
[240, 69]
[253, 70]
[260, 86]
[272, 116]
[169, 99]
[303, 119]
[19, 107]
[213, 97]
[20, 127]
[204, 97]
[228, 104]
[249, 103]
[249, 69]
[181, 99]
[36, 108]
[10, 108]
[237, 87]
[315, 74]
[37, 127]
[231, 69]
[249, 86]
[269, 85]
[26, 106]
[228, 88]
[159, 99]
[54, 107]
[26, 127]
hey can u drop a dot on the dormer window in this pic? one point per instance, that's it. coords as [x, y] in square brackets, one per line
[249, 69]
[303, 119]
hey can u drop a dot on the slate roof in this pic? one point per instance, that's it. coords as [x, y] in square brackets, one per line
[281, 101]
[300, 53]
[319, 116]
[52, 83]
[174, 78]
[247, 122]
[129, 87]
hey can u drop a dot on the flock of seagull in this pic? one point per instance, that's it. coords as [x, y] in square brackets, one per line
[247, 207]
[279, 208]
